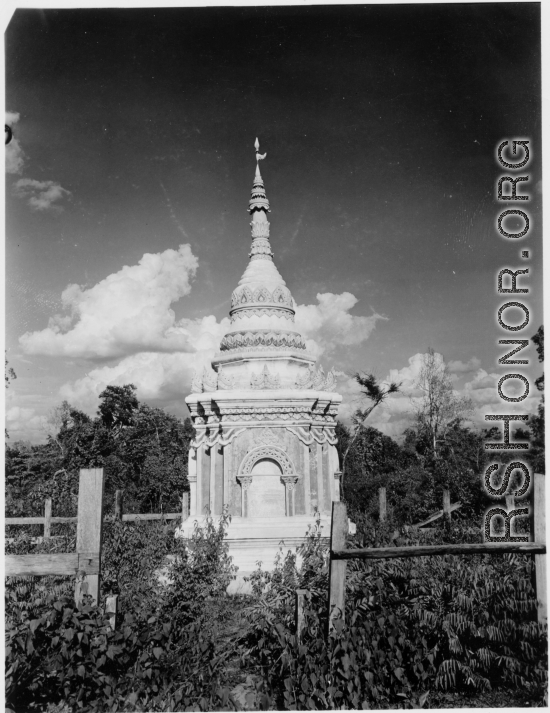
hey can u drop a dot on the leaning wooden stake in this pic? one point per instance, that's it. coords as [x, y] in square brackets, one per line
[119, 504]
[111, 608]
[337, 574]
[300, 616]
[48, 518]
[382, 504]
[447, 508]
[89, 528]
[538, 534]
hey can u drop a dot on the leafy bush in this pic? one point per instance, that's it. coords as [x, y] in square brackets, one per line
[161, 657]
[413, 627]
[132, 555]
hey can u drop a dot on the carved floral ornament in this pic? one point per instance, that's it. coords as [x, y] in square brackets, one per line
[247, 312]
[275, 339]
[260, 230]
[245, 481]
[289, 481]
[310, 379]
[260, 453]
[267, 437]
[265, 380]
[244, 295]
[223, 437]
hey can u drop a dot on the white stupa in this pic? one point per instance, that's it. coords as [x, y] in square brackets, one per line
[264, 417]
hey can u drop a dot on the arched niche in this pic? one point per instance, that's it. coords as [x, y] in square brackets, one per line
[267, 479]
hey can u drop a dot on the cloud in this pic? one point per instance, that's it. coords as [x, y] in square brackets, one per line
[126, 313]
[128, 316]
[166, 377]
[397, 413]
[161, 378]
[24, 424]
[328, 324]
[460, 367]
[42, 195]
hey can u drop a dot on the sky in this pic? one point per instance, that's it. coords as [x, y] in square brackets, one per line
[130, 171]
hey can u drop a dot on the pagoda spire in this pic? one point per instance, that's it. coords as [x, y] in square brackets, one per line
[258, 207]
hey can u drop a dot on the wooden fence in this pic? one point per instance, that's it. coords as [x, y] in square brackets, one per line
[47, 520]
[85, 563]
[339, 554]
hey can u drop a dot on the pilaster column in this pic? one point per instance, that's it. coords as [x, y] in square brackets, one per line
[245, 481]
[192, 478]
[337, 481]
[227, 459]
[289, 483]
[320, 485]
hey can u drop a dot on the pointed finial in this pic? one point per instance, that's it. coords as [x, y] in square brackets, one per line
[259, 157]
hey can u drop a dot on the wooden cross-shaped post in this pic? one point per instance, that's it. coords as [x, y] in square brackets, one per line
[538, 534]
[382, 507]
[89, 529]
[337, 574]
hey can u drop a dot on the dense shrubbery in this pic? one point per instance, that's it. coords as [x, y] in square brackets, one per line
[143, 450]
[162, 655]
[413, 628]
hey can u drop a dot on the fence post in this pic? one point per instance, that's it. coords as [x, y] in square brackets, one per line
[119, 504]
[47, 518]
[111, 608]
[299, 612]
[89, 528]
[337, 573]
[382, 504]
[538, 530]
[447, 508]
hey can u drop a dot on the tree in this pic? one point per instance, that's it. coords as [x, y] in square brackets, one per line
[118, 406]
[144, 451]
[376, 394]
[438, 406]
[9, 374]
[56, 422]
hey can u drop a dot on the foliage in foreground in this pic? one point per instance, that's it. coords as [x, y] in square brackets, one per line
[161, 657]
[413, 628]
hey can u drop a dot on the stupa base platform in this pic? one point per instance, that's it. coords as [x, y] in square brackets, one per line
[254, 540]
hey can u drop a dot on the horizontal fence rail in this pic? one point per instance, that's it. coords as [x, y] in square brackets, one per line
[484, 548]
[47, 520]
[56, 564]
[36, 520]
[85, 563]
[339, 554]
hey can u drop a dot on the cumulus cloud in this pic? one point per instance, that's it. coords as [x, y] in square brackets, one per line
[460, 367]
[126, 313]
[397, 413]
[15, 156]
[158, 377]
[24, 424]
[167, 377]
[41, 195]
[329, 324]
[128, 316]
